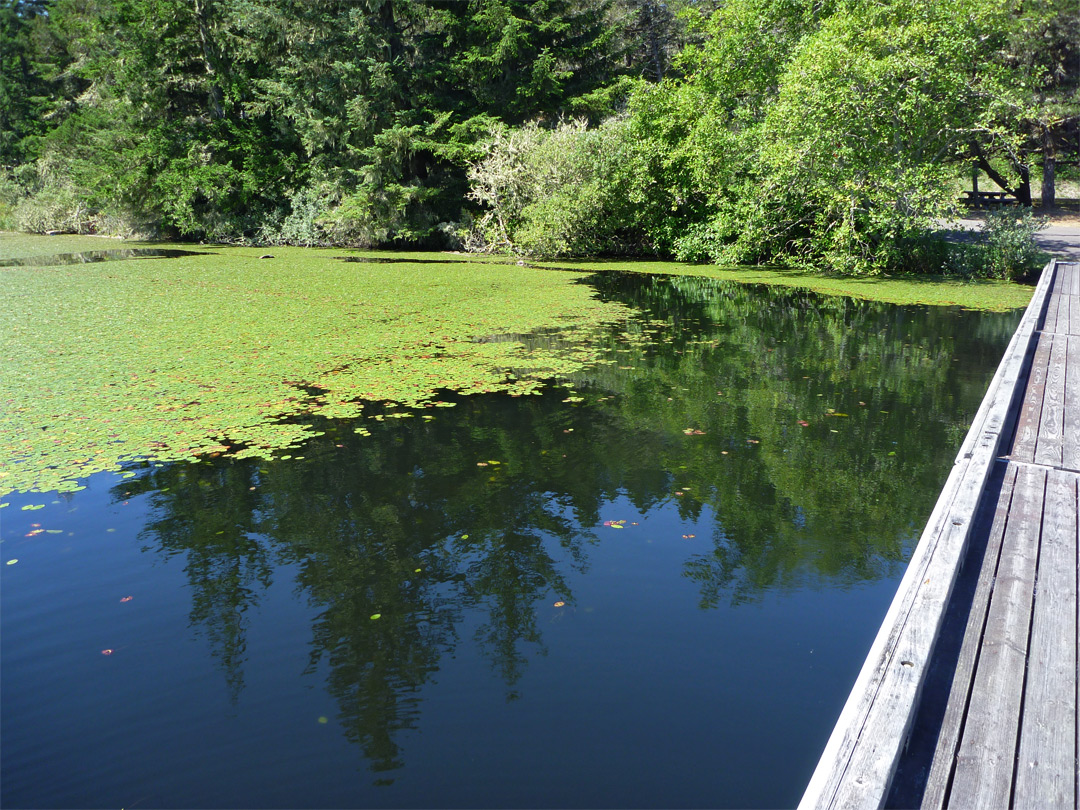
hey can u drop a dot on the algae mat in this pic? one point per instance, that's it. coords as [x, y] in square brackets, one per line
[167, 359]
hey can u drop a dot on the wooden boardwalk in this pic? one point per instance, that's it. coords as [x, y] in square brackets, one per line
[968, 697]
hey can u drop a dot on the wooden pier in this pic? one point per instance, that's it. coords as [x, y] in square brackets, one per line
[968, 697]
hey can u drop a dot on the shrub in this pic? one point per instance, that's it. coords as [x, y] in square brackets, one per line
[564, 191]
[11, 193]
[303, 225]
[1011, 251]
[1005, 249]
[53, 208]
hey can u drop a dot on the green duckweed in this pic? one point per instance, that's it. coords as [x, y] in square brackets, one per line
[173, 359]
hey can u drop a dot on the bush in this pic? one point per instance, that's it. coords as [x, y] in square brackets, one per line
[53, 208]
[304, 224]
[556, 192]
[1005, 249]
[11, 193]
[965, 260]
[1011, 251]
[700, 242]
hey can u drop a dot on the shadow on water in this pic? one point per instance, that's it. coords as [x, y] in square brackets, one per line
[388, 260]
[91, 256]
[507, 262]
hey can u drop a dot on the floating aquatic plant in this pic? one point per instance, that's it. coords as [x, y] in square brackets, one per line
[174, 359]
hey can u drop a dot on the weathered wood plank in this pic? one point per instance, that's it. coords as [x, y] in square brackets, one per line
[937, 781]
[1070, 455]
[1048, 445]
[1027, 425]
[885, 702]
[1065, 280]
[903, 668]
[1064, 283]
[1049, 323]
[983, 776]
[1072, 271]
[1046, 766]
[861, 755]
[1065, 303]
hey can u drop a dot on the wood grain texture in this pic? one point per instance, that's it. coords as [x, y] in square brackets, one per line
[986, 759]
[1063, 282]
[1048, 445]
[1065, 304]
[940, 775]
[1072, 272]
[1046, 764]
[1027, 424]
[1050, 320]
[1070, 451]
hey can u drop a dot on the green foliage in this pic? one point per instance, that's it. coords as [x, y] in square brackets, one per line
[554, 192]
[290, 122]
[841, 159]
[1005, 249]
[813, 134]
[818, 136]
[24, 86]
[1011, 251]
[698, 135]
[11, 193]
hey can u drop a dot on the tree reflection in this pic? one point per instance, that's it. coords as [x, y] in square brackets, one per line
[813, 433]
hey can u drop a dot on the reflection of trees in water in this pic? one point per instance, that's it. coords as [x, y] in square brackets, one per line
[380, 528]
[842, 498]
[209, 514]
[406, 525]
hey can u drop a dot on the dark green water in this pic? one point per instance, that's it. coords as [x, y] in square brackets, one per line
[94, 256]
[655, 594]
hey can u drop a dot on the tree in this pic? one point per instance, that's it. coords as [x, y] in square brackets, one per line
[296, 121]
[873, 110]
[24, 90]
[1037, 114]
[698, 133]
[834, 146]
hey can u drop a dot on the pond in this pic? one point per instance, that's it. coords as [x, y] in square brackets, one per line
[647, 582]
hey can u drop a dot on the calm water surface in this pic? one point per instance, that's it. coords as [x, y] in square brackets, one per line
[652, 586]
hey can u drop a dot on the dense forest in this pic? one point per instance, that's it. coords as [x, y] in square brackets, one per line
[814, 133]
